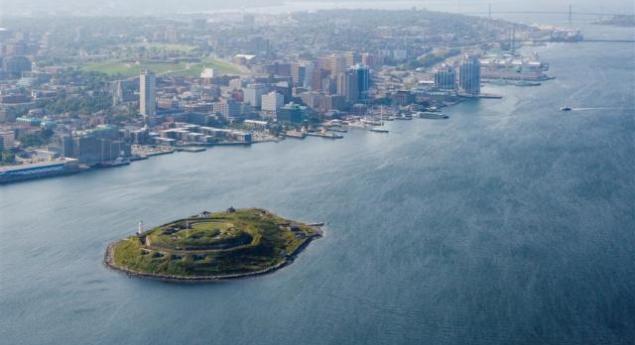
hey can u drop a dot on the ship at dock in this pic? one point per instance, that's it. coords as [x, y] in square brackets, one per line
[432, 115]
[515, 70]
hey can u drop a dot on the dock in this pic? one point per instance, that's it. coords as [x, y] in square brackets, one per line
[191, 149]
[326, 135]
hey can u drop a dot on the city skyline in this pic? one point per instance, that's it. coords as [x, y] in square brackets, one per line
[301, 172]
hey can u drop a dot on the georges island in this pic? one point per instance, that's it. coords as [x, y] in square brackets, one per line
[212, 246]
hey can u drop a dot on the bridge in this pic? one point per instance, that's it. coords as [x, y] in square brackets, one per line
[569, 13]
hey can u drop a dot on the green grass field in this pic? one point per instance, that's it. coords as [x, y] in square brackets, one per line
[163, 47]
[223, 243]
[125, 69]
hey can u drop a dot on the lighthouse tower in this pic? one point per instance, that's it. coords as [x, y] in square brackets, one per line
[140, 229]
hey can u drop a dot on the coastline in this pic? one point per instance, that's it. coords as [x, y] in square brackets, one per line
[188, 149]
[109, 263]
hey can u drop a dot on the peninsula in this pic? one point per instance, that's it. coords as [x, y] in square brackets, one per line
[212, 246]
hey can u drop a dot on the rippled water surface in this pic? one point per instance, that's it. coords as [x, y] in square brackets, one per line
[510, 223]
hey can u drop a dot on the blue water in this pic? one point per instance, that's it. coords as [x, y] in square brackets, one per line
[510, 223]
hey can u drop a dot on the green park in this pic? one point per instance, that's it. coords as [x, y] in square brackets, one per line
[212, 246]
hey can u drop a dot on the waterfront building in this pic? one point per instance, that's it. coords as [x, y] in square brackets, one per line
[229, 108]
[147, 94]
[271, 102]
[256, 124]
[470, 75]
[445, 78]
[291, 112]
[93, 147]
[402, 98]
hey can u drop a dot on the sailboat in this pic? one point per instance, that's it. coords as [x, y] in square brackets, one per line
[381, 122]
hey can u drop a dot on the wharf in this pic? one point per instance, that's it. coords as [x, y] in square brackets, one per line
[326, 135]
[192, 149]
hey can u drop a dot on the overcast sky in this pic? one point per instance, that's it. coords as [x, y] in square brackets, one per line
[147, 7]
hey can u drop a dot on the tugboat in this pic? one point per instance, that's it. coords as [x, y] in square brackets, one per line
[565, 109]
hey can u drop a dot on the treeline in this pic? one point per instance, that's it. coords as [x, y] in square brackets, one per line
[84, 104]
[37, 139]
[432, 59]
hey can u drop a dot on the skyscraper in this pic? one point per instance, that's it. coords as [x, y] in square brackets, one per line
[272, 102]
[117, 93]
[363, 80]
[348, 86]
[298, 74]
[337, 64]
[252, 94]
[445, 78]
[147, 94]
[470, 75]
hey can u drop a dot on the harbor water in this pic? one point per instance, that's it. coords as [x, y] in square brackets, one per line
[509, 223]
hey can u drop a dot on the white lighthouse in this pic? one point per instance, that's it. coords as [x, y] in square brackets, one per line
[140, 229]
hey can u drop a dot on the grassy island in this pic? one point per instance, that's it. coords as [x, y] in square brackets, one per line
[212, 246]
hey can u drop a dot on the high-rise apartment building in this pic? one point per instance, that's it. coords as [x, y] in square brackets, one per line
[147, 94]
[445, 78]
[470, 75]
[348, 86]
[252, 94]
[272, 102]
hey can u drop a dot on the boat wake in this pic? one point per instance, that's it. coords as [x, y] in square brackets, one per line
[600, 108]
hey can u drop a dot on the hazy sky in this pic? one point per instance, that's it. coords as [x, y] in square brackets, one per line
[143, 7]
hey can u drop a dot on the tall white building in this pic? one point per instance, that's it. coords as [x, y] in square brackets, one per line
[147, 94]
[252, 94]
[272, 102]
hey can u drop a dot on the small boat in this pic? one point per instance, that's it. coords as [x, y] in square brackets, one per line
[118, 162]
[371, 122]
[379, 130]
[404, 117]
[565, 109]
[527, 83]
